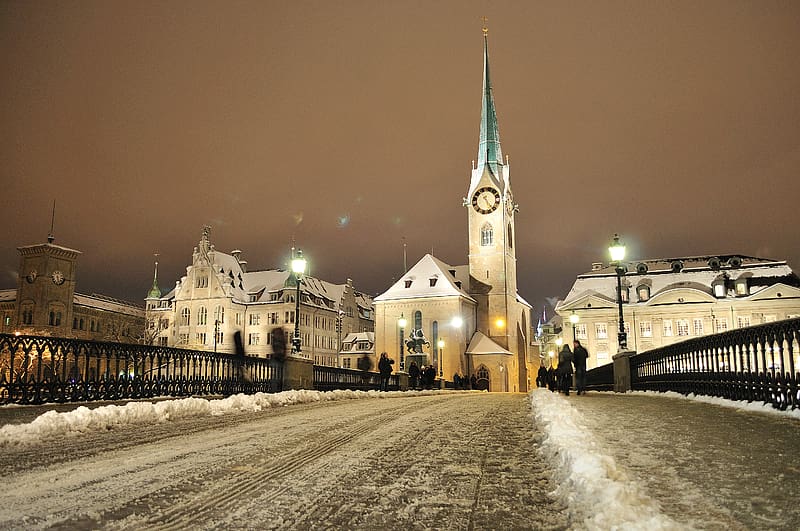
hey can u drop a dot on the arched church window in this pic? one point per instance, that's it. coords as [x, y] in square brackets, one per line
[418, 320]
[435, 337]
[219, 314]
[202, 315]
[510, 237]
[483, 373]
[487, 235]
[185, 315]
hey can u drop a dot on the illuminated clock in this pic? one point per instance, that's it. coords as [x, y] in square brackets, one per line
[58, 278]
[486, 200]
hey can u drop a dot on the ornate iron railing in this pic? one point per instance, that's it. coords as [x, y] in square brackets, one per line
[35, 370]
[330, 378]
[758, 364]
[601, 378]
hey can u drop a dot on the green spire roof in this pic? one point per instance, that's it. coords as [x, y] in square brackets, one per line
[155, 292]
[489, 151]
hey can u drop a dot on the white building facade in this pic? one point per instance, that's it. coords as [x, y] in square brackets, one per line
[218, 296]
[665, 301]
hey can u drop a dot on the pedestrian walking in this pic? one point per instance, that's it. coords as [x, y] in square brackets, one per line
[541, 377]
[580, 354]
[565, 359]
[385, 368]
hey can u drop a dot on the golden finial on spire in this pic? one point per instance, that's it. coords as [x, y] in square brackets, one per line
[485, 28]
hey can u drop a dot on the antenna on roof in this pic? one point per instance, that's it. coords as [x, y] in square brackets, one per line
[405, 262]
[50, 237]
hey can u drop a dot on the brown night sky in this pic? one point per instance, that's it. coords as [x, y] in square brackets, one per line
[674, 123]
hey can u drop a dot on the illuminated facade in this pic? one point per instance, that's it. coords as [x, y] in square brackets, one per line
[670, 300]
[473, 310]
[219, 296]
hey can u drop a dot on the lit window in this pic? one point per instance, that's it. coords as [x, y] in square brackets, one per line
[667, 327]
[185, 315]
[698, 327]
[722, 324]
[646, 329]
[741, 287]
[202, 316]
[683, 327]
[600, 330]
[580, 331]
[254, 339]
[643, 293]
[743, 321]
[255, 319]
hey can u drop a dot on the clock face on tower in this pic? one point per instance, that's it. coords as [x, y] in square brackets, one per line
[58, 278]
[486, 200]
[31, 277]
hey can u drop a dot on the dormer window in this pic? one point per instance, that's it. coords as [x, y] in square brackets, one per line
[741, 287]
[643, 292]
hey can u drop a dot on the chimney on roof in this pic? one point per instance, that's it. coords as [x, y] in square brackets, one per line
[597, 266]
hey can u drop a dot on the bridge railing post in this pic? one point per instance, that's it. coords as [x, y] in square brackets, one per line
[622, 371]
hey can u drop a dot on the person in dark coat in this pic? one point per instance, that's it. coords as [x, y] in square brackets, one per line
[413, 375]
[541, 377]
[565, 369]
[580, 354]
[473, 382]
[385, 368]
[552, 378]
[430, 376]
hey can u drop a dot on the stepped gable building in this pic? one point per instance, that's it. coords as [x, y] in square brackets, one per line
[45, 302]
[474, 310]
[670, 300]
[219, 296]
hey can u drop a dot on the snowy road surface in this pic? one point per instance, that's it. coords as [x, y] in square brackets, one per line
[412, 460]
[453, 461]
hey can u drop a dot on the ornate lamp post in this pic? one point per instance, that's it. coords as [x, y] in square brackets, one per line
[402, 322]
[574, 318]
[617, 252]
[298, 268]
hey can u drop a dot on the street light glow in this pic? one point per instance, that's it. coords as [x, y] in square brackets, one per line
[299, 263]
[500, 323]
[457, 322]
[617, 249]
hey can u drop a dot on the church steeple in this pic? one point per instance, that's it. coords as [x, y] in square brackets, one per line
[489, 151]
[155, 292]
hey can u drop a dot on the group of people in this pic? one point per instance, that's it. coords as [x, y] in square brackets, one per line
[560, 378]
[421, 376]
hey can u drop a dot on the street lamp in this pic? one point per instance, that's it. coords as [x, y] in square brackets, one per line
[402, 322]
[617, 252]
[298, 268]
[440, 344]
[574, 318]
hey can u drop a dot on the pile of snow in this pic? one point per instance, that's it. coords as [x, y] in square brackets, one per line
[599, 493]
[83, 419]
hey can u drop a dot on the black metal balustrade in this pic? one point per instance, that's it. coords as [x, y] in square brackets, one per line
[601, 378]
[757, 364]
[330, 378]
[35, 370]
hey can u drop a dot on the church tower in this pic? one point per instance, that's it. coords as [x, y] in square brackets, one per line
[491, 209]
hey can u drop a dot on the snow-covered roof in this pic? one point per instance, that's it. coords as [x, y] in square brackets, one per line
[101, 302]
[252, 287]
[430, 277]
[354, 337]
[482, 344]
[7, 295]
[698, 273]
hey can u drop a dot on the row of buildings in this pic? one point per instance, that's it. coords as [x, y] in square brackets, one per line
[465, 320]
